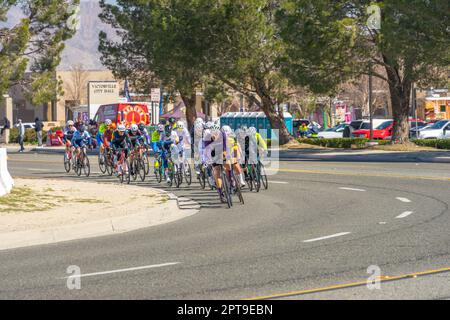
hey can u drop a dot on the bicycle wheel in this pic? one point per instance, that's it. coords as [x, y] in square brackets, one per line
[158, 170]
[187, 173]
[146, 163]
[249, 178]
[86, 166]
[141, 170]
[102, 163]
[120, 171]
[78, 167]
[126, 171]
[263, 175]
[256, 179]
[226, 189]
[67, 164]
[202, 179]
[236, 187]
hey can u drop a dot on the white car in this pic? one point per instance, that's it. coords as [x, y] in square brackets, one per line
[440, 130]
[333, 133]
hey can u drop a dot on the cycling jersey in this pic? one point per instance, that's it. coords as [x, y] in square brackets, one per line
[120, 141]
[68, 134]
[80, 140]
[136, 138]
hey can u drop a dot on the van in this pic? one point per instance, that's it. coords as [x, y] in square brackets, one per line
[126, 113]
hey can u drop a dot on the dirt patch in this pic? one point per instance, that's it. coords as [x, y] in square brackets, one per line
[400, 147]
[36, 204]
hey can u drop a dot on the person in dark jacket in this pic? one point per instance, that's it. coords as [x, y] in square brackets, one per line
[38, 127]
[6, 125]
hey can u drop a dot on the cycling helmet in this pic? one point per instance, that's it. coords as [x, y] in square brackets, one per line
[160, 128]
[209, 125]
[172, 120]
[134, 128]
[168, 130]
[199, 121]
[180, 125]
[141, 126]
[121, 128]
[70, 123]
[82, 128]
[215, 128]
[108, 122]
[207, 135]
[163, 122]
[228, 131]
[252, 130]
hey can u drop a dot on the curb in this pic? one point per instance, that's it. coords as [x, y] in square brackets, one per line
[169, 212]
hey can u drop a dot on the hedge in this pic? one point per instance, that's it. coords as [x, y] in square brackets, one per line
[339, 143]
[348, 143]
[30, 135]
[434, 143]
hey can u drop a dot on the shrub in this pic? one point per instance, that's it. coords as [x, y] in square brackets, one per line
[342, 143]
[434, 143]
[30, 136]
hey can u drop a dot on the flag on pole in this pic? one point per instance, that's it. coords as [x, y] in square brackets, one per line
[127, 92]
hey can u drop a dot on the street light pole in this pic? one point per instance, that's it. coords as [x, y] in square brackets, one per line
[370, 102]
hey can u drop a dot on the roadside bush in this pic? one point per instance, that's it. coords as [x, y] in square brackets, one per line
[434, 143]
[30, 136]
[341, 143]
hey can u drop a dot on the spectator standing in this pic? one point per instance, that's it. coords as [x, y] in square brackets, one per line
[38, 127]
[6, 125]
[21, 128]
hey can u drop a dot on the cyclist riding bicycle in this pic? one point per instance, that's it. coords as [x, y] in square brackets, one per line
[120, 140]
[144, 132]
[81, 139]
[234, 154]
[168, 139]
[68, 134]
[185, 138]
[136, 137]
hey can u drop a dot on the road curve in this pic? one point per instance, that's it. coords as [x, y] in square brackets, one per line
[310, 230]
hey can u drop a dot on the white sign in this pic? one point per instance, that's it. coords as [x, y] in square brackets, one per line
[156, 95]
[101, 92]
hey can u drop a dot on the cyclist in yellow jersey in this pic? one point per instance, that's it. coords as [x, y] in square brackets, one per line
[235, 154]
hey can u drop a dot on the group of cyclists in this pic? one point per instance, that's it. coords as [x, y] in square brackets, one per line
[225, 160]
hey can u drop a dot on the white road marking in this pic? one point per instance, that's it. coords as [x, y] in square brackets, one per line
[279, 182]
[353, 189]
[404, 215]
[442, 157]
[40, 170]
[328, 237]
[405, 200]
[123, 270]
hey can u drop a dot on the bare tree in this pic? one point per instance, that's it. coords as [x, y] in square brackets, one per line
[76, 87]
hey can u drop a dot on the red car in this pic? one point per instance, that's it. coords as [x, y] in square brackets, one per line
[384, 130]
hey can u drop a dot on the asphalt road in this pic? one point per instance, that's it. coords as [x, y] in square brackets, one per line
[324, 221]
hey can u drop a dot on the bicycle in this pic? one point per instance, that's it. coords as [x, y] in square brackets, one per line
[68, 160]
[175, 175]
[82, 163]
[137, 165]
[158, 167]
[261, 174]
[123, 167]
[252, 177]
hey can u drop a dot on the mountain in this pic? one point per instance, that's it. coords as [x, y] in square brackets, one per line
[83, 47]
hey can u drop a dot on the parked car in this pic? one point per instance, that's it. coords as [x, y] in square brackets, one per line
[440, 130]
[349, 131]
[384, 131]
[333, 133]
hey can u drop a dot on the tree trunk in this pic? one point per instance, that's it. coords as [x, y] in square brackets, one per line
[191, 112]
[276, 122]
[400, 98]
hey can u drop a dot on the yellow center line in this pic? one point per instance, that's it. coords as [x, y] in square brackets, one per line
[359, 174]
[352, 285]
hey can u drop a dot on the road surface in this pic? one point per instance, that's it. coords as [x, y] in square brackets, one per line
[323, 222]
